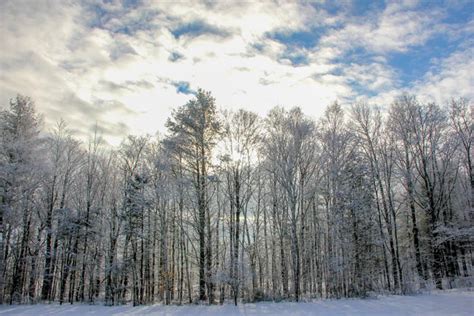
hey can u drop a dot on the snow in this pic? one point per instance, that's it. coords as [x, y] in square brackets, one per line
[454, 302]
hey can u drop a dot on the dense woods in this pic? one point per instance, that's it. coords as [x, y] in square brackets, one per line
[232, 206]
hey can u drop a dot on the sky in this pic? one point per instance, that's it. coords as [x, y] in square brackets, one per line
[125, 65]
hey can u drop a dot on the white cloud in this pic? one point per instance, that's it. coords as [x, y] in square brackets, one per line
[102, 62]
[450, 77]
[397, 28]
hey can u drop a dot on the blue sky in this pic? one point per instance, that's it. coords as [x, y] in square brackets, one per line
[127, 64]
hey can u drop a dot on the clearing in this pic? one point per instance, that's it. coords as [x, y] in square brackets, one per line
[452, 302]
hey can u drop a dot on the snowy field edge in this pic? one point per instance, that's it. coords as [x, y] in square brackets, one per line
[448, 302]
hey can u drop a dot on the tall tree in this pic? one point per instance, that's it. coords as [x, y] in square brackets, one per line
[19, 175]
[290, 141]
[195, 126]
[241, 137]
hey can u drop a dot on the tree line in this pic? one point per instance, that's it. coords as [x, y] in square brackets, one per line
[228, 205]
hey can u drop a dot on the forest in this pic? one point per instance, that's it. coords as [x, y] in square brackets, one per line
[228, 206]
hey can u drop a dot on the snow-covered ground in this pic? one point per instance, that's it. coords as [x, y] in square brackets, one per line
[457, 302]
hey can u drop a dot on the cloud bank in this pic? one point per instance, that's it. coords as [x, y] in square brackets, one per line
[126, 65]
